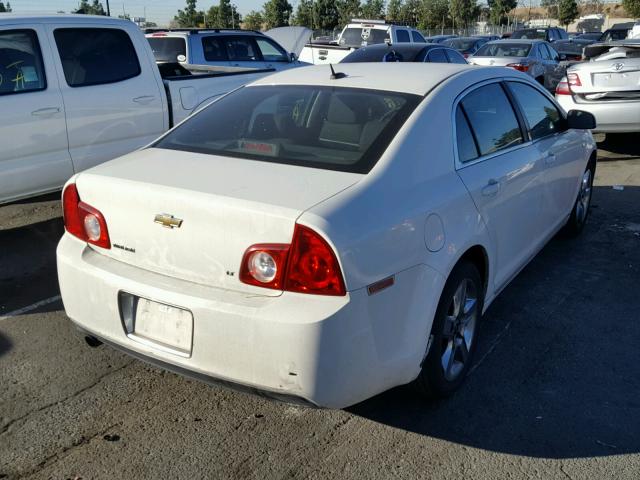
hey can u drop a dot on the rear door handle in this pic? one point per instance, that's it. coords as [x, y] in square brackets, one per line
[46, 112]
[550, 158]
[492, 188]
[145, 99]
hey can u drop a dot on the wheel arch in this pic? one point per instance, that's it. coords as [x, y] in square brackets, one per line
[479, 257]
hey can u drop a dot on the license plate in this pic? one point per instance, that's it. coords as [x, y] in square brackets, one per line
[622, 79]
[166, 325]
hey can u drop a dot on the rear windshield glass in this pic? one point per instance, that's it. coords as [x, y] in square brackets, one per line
[460, 44]
[504, 49]
[356, 37]
[167, 49]
[331, 128]
[533, 34]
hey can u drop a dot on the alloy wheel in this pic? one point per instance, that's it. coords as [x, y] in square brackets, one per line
[584, 198]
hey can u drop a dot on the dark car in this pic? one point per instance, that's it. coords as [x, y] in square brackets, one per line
[594, 36]
[572, 49]
[439, 38]
[488, 38]
[465, 45]
[550, 34]
[618, 31]
[430, 52]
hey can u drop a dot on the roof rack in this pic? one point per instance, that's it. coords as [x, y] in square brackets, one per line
[199, 30]
[364, 20]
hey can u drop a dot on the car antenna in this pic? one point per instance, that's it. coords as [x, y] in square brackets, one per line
[336, 76]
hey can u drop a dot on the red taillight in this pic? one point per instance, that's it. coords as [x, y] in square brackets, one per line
[82, 220]
[521, 67]
[308, 265]
[574, 80]
[563, 88]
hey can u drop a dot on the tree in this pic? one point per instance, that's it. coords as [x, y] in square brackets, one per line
[4, 9]
[551, 6]
[463, 12]
[411, 12]
[499, 10]
[347, 10]
[212, 17]
[435, 14]
[277, 13]
[326, 14]
[304, 14]
[373, 9]
[394, 8]
[224, 16]
[632, 7]
[94, 8]
[567, 12]
[190, 16]
[253, 20]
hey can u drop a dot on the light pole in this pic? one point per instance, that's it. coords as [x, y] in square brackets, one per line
[108, 11]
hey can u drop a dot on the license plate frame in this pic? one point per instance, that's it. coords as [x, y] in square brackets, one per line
[616, 79]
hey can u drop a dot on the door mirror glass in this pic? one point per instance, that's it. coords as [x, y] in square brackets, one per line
[581, 120]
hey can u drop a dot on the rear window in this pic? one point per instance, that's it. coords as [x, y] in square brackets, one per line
[330, 128]
[460, 44]
[504, 49]
[356, 37]
[95, 56]
[21, 68]
[168, 49]
[532, 34]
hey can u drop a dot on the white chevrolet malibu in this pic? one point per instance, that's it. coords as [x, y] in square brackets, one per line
[322, 238]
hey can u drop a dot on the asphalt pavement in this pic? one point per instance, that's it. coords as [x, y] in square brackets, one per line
[554, 391]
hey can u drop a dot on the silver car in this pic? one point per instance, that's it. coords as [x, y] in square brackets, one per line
[536, 58]
[608, 86]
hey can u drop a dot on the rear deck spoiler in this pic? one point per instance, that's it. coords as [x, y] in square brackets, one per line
[597, 49]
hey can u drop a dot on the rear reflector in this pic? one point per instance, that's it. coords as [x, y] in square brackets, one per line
[82, 220]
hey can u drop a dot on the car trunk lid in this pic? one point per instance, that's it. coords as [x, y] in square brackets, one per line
[192, 216]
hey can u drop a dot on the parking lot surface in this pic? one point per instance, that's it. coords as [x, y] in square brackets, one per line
[553, 392]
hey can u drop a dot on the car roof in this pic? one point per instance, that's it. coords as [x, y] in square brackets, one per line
[9, 18]
[374, 53]
[417, 78]
[466, 38]
[516, 40]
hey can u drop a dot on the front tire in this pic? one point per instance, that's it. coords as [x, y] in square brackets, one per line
[581, 207]
[452, 342]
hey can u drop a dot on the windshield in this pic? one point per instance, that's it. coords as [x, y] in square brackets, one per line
[331, 128]
[504, 49]
[357, 37]
[462, 44]
[533, 34]
[167, 49]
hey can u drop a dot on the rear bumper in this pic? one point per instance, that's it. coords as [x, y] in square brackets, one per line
[309, 349]
[613, 117]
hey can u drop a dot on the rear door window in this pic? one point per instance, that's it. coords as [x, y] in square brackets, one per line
[214, 49]
[95, 56]
[333, 128]
[417, 37]
[168, 49]
[467, 148]
[242, 49]
[454, 56]
[402, 36]
[21, 68]
[437, 55]
[492, 119]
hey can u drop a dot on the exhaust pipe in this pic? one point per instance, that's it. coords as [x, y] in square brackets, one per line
[93, 342]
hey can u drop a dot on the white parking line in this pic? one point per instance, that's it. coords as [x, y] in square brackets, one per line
[29, 308]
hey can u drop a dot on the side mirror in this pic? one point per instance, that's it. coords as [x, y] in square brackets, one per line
[293, 57]
[562, 57]
[581, 120]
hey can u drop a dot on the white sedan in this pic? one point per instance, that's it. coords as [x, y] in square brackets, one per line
[322, 238]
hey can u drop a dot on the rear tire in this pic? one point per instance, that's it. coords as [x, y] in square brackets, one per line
[452, 341]
[581, 207]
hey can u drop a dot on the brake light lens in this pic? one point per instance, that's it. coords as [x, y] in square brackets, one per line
[82, 220]
[574, 80]
[308, 265]
[563, 88]
[521, 67]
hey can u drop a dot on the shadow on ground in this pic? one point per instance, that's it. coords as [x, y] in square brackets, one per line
[557, 368]
[619, 143]
[5, 344]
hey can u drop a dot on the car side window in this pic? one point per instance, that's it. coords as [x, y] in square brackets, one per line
[96, 56]
[270, 51]
[437, 55]
[541, 114]
[242, 49]
[553, 55]
[492, 118]
[417, 37]
[214, 49]
[402, 36]
[467, 149]
[455, 56]
[21, 67]
[544, 53]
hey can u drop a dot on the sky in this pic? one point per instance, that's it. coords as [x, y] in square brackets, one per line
[159, 11]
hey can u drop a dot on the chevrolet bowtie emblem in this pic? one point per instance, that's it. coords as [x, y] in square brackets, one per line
[168, 221]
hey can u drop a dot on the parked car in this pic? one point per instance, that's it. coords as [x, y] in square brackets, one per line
[465, 45]
[77, 90]
[549, 34]
[618, 31]
[536, 58]
[488, 38]
[439, 38]
[592, 36]
[227, 47]
[359, 33]
[606, 86]
[571, 50]
[313, 237]
[430, 52]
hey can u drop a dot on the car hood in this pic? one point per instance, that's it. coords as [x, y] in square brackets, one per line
[292, 39]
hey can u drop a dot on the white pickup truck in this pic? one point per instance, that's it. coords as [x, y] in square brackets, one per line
[78, 90]
[358, 33]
